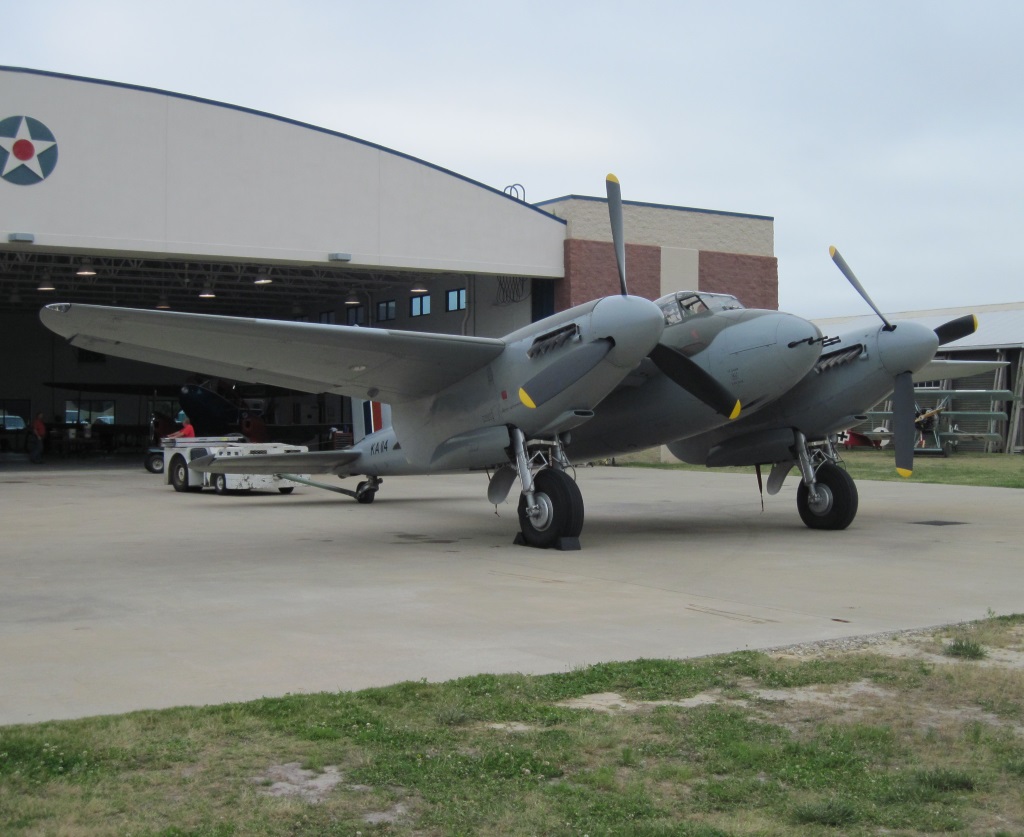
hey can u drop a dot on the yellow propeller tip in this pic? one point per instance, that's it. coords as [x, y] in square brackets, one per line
[831, 251]
[735, 411]
[612, 178]
[904, 472]
[526, 399]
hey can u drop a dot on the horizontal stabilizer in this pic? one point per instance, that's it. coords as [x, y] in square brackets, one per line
[313, 462]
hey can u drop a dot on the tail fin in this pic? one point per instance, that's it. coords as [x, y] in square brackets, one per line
[369, 417]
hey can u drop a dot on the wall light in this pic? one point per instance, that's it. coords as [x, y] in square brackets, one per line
[353, 299]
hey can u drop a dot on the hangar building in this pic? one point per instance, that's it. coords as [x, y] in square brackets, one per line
[116, 194]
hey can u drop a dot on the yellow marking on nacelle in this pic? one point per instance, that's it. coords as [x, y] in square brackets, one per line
[526, 399]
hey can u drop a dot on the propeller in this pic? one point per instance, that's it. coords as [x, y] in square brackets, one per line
[955, 329]
[845, 268]
[903, 423]
[691, 377]
[614, 191]
[683, 371]
[548, 383]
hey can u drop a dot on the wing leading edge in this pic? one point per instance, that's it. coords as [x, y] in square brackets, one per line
[391, 366]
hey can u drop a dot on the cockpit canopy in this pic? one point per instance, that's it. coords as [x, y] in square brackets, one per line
[685, 304]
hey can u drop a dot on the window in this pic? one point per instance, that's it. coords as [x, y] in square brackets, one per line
[385, 310]
[456, 300]
[327, 317]
[355, 315]
[419, 306]
[88, 411]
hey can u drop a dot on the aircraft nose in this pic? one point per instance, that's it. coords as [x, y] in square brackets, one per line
[799, 343]
[907, 347]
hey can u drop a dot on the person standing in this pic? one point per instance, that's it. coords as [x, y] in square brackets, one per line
[36, 438]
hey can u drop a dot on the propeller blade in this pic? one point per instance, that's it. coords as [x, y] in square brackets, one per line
[955, 329]
[692, 377]
[618, 236]
[904, 435]
[845, 268]
[563, 373]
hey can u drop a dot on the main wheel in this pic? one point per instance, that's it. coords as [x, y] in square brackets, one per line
[365, 492]
[286, 489]
[559, 511]
[836, 506]
[154, 462]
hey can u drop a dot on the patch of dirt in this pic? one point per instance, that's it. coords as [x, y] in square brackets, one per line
[291, 780]
[863, 700]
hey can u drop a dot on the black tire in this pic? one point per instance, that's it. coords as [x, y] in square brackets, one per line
[838, 506]
[365, 494]
[288, 489]
[179, 474]
[154, 462]
[562, 503]
[220, 484]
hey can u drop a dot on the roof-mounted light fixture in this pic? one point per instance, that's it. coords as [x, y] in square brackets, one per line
[45, 284]
[207, 292]
[262, 277]
[85, 269]
[162, 304]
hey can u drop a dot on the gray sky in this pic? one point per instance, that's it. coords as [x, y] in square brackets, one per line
[890, 129]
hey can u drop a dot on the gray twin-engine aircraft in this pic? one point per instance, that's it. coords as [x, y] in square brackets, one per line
[718, 383]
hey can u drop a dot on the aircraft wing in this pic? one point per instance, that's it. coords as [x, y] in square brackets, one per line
[390, 366]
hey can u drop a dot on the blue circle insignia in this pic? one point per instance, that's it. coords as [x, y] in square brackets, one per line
[28, 150]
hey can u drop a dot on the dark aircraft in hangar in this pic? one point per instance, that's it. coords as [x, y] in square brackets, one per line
[718, 383]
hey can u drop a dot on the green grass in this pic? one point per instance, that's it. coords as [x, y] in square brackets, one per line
[501, 755]
[991, 469]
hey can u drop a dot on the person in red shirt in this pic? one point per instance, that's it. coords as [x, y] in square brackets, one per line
[36, 437]
[187, 431]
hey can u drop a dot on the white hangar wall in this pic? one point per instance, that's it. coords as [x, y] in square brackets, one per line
[149, 172]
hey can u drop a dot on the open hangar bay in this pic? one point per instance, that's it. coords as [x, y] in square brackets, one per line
[120, 594]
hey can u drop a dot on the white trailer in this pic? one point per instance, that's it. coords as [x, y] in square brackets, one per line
[178, 453]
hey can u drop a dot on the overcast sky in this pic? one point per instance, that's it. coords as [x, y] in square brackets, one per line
[890, 129]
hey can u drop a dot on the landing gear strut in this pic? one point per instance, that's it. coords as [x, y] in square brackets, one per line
[551, 505]
[827, 496]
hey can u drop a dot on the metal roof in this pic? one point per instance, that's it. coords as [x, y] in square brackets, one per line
[1000, 326]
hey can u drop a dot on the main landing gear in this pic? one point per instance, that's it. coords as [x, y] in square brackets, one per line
[827, 496]
[551, 505]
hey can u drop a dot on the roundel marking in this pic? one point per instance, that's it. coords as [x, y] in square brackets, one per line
[28, 150]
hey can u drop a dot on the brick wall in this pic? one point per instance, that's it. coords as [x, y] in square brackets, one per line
[754, 280]
[590, 272]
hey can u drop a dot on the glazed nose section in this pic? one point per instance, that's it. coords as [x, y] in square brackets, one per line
[798, 344]
[906, 348]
